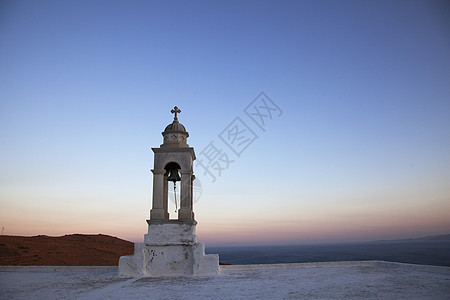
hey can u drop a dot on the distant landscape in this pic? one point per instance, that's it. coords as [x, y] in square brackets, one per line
[433, 250]
[103, 250]
[68, 250]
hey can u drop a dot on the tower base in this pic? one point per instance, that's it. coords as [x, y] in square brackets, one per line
[170, 248]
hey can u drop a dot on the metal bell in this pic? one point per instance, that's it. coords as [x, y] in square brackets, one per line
[173, 175]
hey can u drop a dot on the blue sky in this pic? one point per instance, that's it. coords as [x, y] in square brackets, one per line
[361, 150]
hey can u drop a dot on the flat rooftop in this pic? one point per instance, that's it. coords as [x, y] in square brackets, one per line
[349, 280]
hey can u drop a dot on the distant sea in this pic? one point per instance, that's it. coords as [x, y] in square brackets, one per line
[433, 250]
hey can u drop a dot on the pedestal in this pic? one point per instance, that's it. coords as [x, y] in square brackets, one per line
[170, 248]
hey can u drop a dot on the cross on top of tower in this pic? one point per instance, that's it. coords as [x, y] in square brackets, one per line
[175, 111]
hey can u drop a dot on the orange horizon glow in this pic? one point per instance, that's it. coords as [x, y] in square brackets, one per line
[271, 232]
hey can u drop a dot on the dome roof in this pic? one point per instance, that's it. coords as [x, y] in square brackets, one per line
[175, 126]
[175, 134]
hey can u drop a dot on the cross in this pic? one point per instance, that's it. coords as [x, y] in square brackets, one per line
[175, 111]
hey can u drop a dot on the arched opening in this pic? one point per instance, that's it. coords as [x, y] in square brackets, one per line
[172, 189]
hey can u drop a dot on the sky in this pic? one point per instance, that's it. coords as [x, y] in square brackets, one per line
[342, 107]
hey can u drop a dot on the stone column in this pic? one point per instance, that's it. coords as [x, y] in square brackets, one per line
[185, 212]
[192, 196]
[166, 198]
[157, 211]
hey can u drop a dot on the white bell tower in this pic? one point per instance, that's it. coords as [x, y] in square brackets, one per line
[174, 155]
[171, 247]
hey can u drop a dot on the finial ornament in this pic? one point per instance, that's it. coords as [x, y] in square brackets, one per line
[175, 111]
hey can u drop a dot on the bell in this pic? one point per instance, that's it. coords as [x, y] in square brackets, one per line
[173, 175]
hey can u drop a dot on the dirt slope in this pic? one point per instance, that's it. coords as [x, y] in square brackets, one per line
[68, 250]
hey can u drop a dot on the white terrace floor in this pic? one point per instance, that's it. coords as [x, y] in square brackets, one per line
[340, 280]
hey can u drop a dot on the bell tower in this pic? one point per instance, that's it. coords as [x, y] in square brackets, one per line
[171, 247]
[172, 158]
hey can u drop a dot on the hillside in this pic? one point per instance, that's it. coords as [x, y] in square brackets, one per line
[68, 250]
